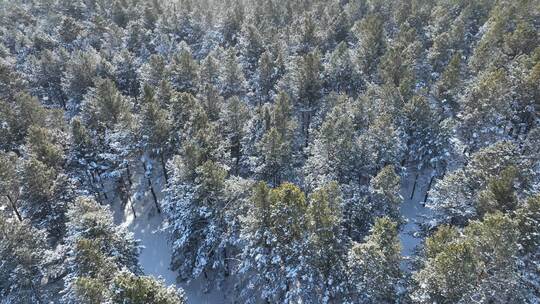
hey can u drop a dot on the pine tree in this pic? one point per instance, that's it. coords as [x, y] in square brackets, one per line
[125, 71]
[17, 118]
[326, 246]
[456, 196]
[184, 70]
[232, 23]
[487, 109]
[332, 152]
[499, 194]
[81, 68]
[232, 77]
[100, 248]
[252, 46]
[274, 163]
[479, 265]
[275, 229]
[381, 144]
[104, 107]
[153, 71]
[385, 197]
[129, 288]
[266, 76]
[45, 145]
[234, 119]
[371, 44]
[48, 76]
[156, 129]
[10, 183]
[528, 217]
[428, 137]
[22, 269]
[307, 85]
[341, 75]
[449, 83]
[209, 72]
[374, 265]
[194, 209]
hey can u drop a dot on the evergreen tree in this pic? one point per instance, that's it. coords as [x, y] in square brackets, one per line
[234, 119]
[307, 85]
[266, 76]
[81, 68]
[129, 288]
[153, 71]
[371, 43]
[156, 129]
[427, 136]
[479, 265]
[326, 246]
[22, 251]
[10, 183]
[99, 249]
[48, 76]
[374, 265]
[18, 116]
[332, 153]
[232, 77]
[381, 144]
[341, 75]
[184, 70]
[252, 46]
[274, 231]
[385, 197]
[125, 72]
[462, 194]
[195, 208]
[104, 107]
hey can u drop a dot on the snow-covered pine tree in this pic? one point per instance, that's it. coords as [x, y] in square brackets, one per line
[374, 272]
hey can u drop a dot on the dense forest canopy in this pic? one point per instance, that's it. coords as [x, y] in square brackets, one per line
[271, 141]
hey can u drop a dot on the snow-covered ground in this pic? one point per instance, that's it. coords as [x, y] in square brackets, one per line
[155, 256]
[412, 209]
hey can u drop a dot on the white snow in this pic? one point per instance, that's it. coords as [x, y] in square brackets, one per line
[412, 209]
[155, 256]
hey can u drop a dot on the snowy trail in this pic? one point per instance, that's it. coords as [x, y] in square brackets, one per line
[412, 209]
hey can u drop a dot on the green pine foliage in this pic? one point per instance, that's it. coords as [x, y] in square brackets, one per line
[291, 151]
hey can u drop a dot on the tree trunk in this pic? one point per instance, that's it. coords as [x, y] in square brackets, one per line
[149, 179]
[126, 193]
[98, 178]
[428, 188]
[414, 186]
[129, 175]
[163, 167]
[91, 180]
[226, 262]
[14, 207]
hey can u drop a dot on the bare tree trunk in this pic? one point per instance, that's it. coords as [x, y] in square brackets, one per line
[126, 196]
[149, 179]
[98, 178]
[14, 207]
[90, 178]
[414, 186]
[163, 167]
[129, 175]
[429, 188]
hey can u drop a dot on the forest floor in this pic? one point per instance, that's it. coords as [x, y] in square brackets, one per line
[413, 211]
[155, 256]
